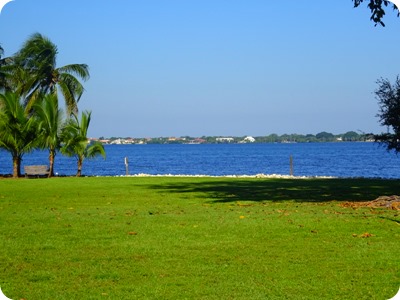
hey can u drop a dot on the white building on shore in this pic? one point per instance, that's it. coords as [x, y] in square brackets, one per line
[224, 139]
[249, 139]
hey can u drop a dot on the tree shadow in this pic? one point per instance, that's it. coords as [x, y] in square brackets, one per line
[299, 190]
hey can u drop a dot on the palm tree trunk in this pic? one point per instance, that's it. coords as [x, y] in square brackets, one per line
[80, 162]
[16, 166]
[52, 155]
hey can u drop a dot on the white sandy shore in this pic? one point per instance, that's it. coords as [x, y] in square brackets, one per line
[228, 176]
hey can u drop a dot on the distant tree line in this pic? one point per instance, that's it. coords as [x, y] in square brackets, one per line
[350, 136]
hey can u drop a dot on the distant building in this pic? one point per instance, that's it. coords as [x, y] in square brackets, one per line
[199, 141]
[249, 139]
[175, 139]
[224, 140]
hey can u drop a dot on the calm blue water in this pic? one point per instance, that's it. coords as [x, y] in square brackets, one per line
[310, 159]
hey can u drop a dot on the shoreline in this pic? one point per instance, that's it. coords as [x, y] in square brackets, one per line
[275, 176]
[260, 176]
[242, 176]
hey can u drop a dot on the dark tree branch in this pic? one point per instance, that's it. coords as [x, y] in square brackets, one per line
[377, 8]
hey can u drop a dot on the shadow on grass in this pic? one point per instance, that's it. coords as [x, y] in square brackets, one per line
[301, 190]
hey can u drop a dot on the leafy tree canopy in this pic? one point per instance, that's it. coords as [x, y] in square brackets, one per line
[377, 8]
[324, 135]
[388, 96]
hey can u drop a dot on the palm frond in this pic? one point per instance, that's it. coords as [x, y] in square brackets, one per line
[17, 129]
[50, 120]
[95, 149]
[71, 90]
[37, 51]
[82, 70]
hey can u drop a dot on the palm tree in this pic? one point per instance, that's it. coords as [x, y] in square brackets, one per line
[50, 121]
[35, 73]
[17, 129]
[75, 142]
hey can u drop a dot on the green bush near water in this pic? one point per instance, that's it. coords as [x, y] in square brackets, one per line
[197, 238]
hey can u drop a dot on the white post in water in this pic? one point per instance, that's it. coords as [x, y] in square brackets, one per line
[126, 166]
[291, 165]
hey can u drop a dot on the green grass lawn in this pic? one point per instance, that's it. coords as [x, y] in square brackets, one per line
[197, 238]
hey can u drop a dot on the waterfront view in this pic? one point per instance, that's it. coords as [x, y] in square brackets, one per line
[346, 159]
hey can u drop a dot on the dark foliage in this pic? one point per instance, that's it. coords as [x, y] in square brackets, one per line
[388, 96]
[377, 8]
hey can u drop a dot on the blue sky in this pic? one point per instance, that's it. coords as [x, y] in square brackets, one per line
[220, 67]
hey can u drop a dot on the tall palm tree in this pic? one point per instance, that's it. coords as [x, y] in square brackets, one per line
[36, 73]
[17, 129]
[50, 121]
[75, 142]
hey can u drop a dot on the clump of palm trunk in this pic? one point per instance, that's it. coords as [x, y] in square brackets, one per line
[30, 117]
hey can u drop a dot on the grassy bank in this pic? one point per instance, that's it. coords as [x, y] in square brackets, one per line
[197, 238]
